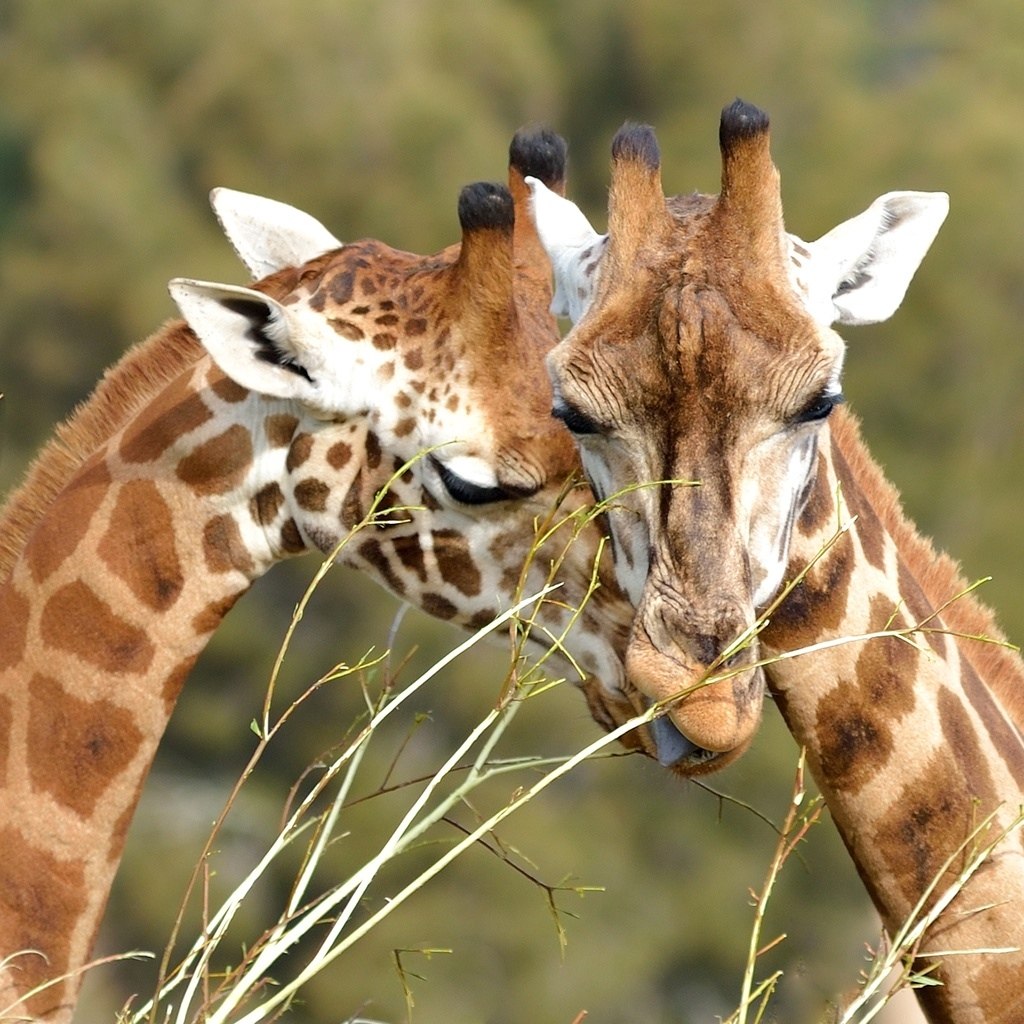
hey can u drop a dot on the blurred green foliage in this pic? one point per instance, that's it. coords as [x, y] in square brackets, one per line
[117, 118]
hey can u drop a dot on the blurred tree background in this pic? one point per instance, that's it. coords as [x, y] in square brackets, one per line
[117, 119]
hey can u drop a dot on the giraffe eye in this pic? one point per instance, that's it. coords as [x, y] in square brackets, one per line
[819, 407]
[577, 422]
[465, 492]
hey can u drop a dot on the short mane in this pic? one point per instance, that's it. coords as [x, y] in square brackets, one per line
[125, 388]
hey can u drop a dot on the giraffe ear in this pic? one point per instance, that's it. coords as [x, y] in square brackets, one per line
[859, 272]
[250, 336]
[573, 246]
[268, 235]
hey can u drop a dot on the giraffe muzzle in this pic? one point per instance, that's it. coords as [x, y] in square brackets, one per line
[673, 748]
[710, 711]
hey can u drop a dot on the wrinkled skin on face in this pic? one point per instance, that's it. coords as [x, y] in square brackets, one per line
[703, 369]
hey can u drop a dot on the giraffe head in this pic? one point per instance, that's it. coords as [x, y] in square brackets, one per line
[377, 370]
[703, 367]
[416, 347]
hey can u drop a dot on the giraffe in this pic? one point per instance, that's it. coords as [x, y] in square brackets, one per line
[260, 427]
[703, 354]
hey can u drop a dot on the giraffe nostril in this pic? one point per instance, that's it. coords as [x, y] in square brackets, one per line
[706, 647]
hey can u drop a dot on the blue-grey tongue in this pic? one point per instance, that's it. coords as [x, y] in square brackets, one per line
[671, 744]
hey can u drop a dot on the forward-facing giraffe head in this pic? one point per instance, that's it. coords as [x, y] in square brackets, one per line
[704, 361]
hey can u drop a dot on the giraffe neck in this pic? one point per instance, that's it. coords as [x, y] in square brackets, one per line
[915, 744]
[120, 583]
[136, 538]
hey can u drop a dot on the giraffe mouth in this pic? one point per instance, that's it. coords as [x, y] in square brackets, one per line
[673, 748]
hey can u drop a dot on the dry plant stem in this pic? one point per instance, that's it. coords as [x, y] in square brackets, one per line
[288, 991]
[265, 730]
[287, 931]
[905, 944]
[7, 1015]
[794, 829]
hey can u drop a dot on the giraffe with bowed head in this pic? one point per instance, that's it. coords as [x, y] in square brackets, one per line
[261, 427]
[703, 356]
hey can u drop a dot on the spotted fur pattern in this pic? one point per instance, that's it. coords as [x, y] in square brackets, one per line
[175, 487]
[701, 359]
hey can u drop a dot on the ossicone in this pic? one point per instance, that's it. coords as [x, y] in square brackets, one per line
[741, 120]
[638, 143]
[486, 205]
[538, 152]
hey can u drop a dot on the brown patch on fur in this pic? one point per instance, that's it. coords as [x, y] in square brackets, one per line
[223, 547]
[88, 744]
[75, 619]
[339, 455]
[482, 618]
[353, 510]
[456, 563]
[279, 430]
[820, 505]
[14, 613]
[438, 606]
[346, 329]
[816, 606]
[175, 682]
[312, 494]
[211, 616]
[266, 504]
[886, 666]
[926, 821]
[138, 545]
[58, 534]
[938, 575]
[225, 388]
[410, 554]
[373, 553]
[6, 724]
[173, 414]
[220, 464]
[922, 609]
[985, 704]
[372, 450]
[41, 900]
[960, 738]
[854, 738]
[299, 452]
[124, 390]
[291, 540]
[868, 527]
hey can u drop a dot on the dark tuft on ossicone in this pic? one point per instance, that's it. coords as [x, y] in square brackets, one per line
[486, 205]
[637, 142]
[540, 153]
[741, 120]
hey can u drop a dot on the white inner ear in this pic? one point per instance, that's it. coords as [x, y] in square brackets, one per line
[859, 272]
[231, 322]
[268, 235]
[573, 246]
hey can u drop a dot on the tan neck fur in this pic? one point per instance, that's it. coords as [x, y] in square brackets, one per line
[912, 746]
[125, 389]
